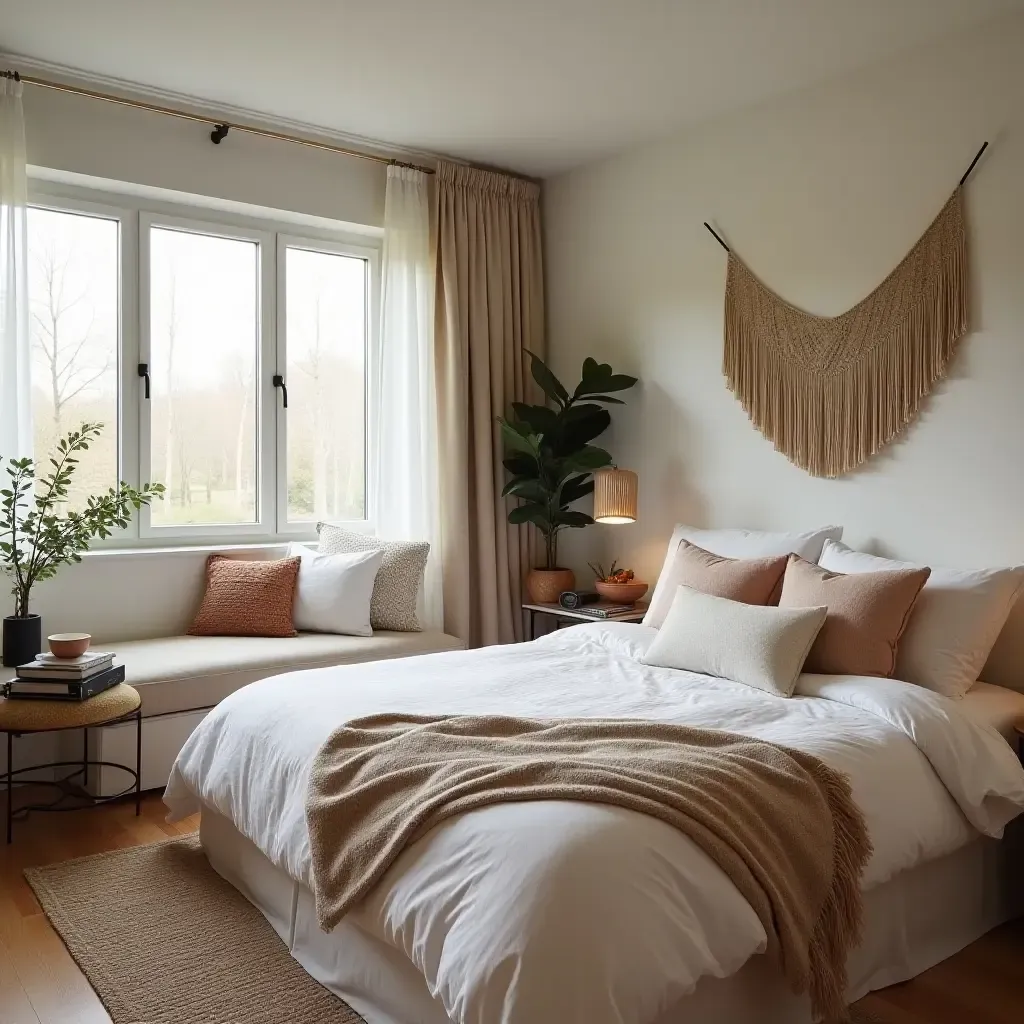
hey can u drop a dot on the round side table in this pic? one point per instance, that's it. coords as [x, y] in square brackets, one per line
[120, 703]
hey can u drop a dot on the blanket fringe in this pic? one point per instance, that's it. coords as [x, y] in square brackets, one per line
[840, 923]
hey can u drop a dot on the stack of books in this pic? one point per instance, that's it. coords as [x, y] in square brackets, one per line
[50, 678]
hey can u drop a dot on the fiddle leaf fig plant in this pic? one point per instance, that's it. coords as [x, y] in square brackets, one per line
[548, 453]
[37, 536]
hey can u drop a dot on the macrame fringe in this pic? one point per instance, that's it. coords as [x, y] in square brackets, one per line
[827, 420]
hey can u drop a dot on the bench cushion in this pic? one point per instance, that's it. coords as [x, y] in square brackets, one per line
[179, 673]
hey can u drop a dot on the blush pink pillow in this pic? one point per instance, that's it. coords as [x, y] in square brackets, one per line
[867, 614]
[747, 580]
[247, 598]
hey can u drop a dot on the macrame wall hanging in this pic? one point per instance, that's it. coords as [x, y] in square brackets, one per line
[829, 392]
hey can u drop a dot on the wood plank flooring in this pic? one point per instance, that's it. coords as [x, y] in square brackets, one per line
[40, 983]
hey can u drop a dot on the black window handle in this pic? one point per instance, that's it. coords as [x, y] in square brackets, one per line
[278, 382]
[144, 374]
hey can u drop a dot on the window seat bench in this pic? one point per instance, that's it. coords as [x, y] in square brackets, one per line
[183, 673]
[180, 678]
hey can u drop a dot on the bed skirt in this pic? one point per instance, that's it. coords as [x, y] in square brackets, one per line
[912, 922]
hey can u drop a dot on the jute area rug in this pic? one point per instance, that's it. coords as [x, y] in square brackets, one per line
[163, 939]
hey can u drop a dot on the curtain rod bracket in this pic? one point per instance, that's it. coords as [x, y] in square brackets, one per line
[718, 238]
[977, 157]
[219, 133]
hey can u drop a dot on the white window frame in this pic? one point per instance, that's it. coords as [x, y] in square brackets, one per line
[127, 323]
[265, 469]
[372, 257]
[135, 216]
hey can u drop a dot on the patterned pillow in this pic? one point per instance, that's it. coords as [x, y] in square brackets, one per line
[393, 604]
[247, 598]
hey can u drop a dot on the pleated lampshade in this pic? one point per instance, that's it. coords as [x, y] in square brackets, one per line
[615, 492]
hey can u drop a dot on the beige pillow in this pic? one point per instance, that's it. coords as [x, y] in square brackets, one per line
[750, 580]
[397, 585]
[867, 614]
[956, 621]
[732, 543]
[245, 598]
[763, 647]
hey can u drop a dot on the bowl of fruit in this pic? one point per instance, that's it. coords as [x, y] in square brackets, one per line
[619, 586]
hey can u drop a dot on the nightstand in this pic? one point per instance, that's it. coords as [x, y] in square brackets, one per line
[571, 616]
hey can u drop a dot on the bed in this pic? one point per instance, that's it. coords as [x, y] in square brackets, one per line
[555, 912]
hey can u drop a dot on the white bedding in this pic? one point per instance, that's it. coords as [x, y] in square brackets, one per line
[566, 912]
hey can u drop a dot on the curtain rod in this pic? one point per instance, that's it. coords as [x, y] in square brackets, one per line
[220, 128]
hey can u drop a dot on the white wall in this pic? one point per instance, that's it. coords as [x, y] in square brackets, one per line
[132, 594]
[821, 193]
[85, 136]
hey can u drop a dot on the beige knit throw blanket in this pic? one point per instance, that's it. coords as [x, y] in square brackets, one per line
[829, 392]
[780, 823]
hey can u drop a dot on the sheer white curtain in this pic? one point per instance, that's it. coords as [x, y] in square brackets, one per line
[15, 368]
[406, 479]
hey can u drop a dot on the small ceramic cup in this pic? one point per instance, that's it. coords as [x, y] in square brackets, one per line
[69, 645]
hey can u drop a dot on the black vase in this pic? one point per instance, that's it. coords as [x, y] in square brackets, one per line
[23, 638]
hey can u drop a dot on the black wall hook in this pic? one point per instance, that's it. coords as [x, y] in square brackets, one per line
[219, 133]
[718, 238]
[977, 157]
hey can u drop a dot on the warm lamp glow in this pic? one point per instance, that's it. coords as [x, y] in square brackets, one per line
[615, 493]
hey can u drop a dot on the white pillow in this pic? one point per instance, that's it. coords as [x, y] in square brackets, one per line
[333, 593]
[954, 624]
[761, 646]
[396, 592]
[744, 544]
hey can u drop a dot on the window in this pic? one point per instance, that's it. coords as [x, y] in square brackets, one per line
[74, 310]
[325, 334]
[171, 328]
[204, 333]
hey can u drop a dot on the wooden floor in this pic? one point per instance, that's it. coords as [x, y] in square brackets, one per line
[40, 983]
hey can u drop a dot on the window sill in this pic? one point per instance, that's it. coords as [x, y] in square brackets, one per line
[205, 548]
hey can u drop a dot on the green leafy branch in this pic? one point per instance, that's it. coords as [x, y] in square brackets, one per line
[548, 450]
[36, 538]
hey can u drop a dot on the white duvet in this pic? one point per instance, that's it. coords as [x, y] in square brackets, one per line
[586, 913]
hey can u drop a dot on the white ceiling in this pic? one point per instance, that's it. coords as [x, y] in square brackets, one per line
[536, 86]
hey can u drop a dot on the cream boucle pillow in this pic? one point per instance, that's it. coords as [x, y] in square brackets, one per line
[760, 646]
[397, 586]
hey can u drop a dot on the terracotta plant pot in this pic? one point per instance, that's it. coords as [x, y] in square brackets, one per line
[621, 593]
[544, 585]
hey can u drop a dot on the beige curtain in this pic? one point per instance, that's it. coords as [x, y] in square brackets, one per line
[489, 309]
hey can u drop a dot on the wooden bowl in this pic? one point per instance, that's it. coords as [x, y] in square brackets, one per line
[621, 593]
[69, 645]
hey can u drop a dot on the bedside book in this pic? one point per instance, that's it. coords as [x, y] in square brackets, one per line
[46, 666]
[64, 689]
[605, 611]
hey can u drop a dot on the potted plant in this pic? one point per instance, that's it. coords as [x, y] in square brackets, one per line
[551, 460]
[37, 536]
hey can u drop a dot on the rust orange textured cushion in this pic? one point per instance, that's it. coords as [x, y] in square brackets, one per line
[748, 580]
[867, 614]
[247, 598]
